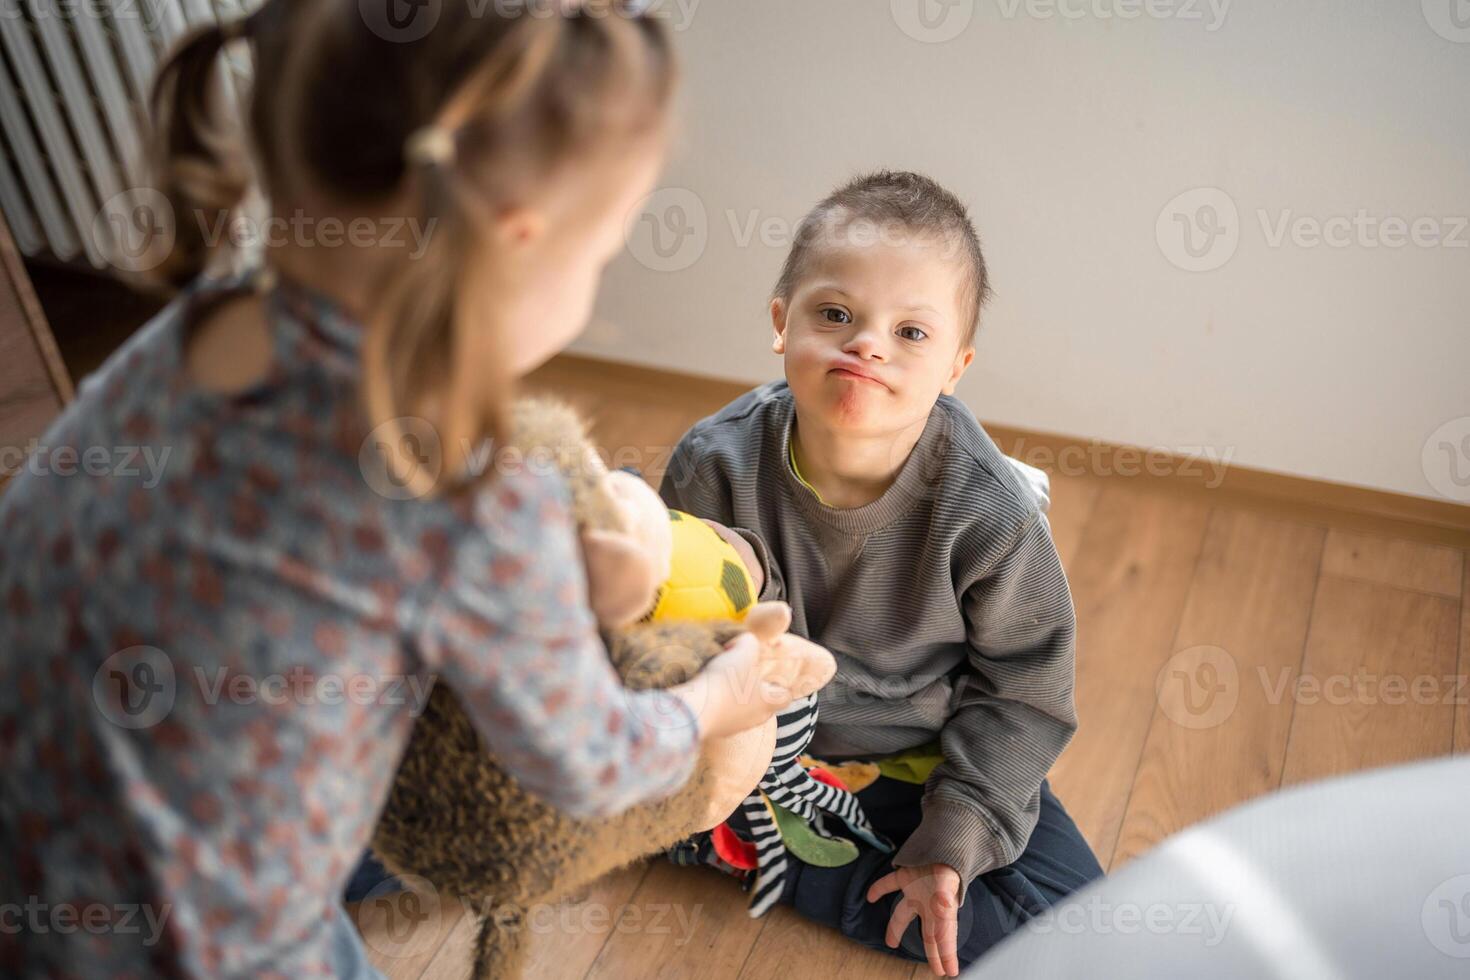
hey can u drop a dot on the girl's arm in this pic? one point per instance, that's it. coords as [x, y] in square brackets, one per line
[509, 629]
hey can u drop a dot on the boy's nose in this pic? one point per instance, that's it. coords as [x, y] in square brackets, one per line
[864, 344]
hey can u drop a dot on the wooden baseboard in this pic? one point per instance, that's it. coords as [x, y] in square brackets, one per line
[1298, 498]
[34, 385]
[23, 304]
[1294, 497]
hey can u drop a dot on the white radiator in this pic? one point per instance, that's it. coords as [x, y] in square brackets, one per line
[74, 80]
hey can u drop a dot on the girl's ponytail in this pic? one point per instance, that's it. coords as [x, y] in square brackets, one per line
[196, 163]
[432, 357]
[443, 126]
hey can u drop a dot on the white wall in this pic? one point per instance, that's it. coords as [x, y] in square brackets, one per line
[1068, 136]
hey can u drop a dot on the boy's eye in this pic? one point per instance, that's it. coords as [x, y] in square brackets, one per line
[912, 333]
[834, 315]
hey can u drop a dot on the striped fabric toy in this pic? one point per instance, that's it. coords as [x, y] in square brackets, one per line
[788, 784]
[708, 581]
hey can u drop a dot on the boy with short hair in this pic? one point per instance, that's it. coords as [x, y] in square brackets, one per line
[912, 548]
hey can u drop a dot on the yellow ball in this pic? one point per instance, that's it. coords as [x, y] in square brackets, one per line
[707, 581]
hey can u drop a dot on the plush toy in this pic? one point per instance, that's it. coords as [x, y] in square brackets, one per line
[785, 812]
[707, 581]
[456, 819]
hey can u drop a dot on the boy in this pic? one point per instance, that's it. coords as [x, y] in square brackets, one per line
[912, 548]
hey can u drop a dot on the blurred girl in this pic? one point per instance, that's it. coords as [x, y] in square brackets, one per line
[207, 675]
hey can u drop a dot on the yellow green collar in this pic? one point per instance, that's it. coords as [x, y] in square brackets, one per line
[791, 447]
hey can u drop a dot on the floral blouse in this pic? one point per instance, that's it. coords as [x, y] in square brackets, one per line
[218, 620]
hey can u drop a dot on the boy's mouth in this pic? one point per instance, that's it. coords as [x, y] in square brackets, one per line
[854, 373]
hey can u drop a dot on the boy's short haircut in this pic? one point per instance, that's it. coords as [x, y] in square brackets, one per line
[869, 207]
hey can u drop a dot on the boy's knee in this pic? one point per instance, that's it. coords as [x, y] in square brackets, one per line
[982, 920]
[837, 897]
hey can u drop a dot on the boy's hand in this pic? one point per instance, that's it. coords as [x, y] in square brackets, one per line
[932, 892]
[746, 552]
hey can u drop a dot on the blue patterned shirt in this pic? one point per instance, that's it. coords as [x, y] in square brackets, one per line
[217, 622]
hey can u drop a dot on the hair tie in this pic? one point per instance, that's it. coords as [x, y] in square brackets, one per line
[430, 145]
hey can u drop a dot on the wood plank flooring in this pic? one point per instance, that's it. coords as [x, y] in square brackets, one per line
[1228, 645]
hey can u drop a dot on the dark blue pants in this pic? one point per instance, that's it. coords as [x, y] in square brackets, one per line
[369, 877]
[1057, 861]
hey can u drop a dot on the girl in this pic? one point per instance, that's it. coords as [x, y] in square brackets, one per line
[207, 676]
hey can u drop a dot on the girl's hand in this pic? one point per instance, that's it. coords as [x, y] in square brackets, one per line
[759, 675]
[621, 577]
[744, 550]
[932, 892]
[736, 765]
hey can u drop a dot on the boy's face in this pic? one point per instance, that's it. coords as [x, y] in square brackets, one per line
[872, 334]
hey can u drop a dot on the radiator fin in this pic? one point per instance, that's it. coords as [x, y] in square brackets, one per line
[74, 84]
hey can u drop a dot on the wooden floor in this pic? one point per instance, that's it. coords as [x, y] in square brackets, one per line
[1228, 645]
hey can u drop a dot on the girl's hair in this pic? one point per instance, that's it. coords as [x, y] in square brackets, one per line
[894, 199]
[512, 91]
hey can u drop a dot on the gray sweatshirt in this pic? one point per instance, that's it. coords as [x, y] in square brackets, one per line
[943, 602]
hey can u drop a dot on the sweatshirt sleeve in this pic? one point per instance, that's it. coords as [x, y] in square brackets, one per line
[693, 484]
[509, 629]
[1015, 716]
[1035, 479]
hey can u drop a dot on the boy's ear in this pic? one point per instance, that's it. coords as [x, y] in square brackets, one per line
[778, 324]
[961, 364]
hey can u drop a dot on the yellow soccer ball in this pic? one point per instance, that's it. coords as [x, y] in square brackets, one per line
[707, 580]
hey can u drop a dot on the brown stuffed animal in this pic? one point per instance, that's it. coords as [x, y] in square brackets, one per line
[456, 819]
